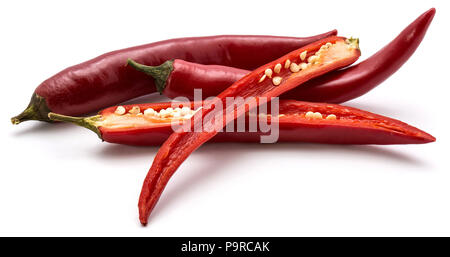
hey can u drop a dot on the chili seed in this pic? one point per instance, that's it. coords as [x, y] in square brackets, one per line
[312, 59]
[287, 64]
[331, 117]
[163, 113]
[276, 81]
[149, 112]
[309, 115]
[135, 110]
[317, 115]
[294, 67]
[185, 110]
[303, 55]
[268, 73]
[120, 110]
[277, 68]
[262, 78]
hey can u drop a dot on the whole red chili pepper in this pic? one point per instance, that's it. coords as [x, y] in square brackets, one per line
[106, 80]
[298, 122]
[267, 81]
[179, 78]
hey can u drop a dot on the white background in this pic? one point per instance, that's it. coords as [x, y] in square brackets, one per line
[61, 180]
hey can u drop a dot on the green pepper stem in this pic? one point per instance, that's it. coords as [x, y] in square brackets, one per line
[90, 123]
[37, 109]
[159, 73]
[354, 42]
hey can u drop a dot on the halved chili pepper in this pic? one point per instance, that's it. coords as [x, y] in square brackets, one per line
[150, 124]
[179, 78]
[106, 80]
[266, 81]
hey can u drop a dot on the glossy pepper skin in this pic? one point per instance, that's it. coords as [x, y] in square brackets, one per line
[352, 126]
[106, 80]
[181, 144]
[180, 78]
[343, 85]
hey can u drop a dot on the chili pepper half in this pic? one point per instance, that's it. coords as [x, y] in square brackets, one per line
[106, 81]
[266, 81]
[179, 78]
[150, 124]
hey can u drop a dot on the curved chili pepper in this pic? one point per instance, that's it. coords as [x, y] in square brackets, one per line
[179, 78]
[336, 124]
[352, 82]
[105, 80]
[338, 52]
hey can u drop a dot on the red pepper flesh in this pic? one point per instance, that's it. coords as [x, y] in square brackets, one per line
[181, 144]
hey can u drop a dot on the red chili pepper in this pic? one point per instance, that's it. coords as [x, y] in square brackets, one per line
[336, 124]
[337, 52]
[105, 80]
[179, 78]
[343, 85]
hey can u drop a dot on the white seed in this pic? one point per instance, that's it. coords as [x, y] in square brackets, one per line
[303, 55]
[287, 64]
[303, 65]
[169, 110]
[162, 113]
[277, 68]
[317, 115]
[331, 117]
[185, 110]
[329, 44]
[312, 59]
[149, 112]
[309, 115]
[276, 81]
[294, 67]
[120, 110]
[135, 110]
[268, 73]
[262, 78]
